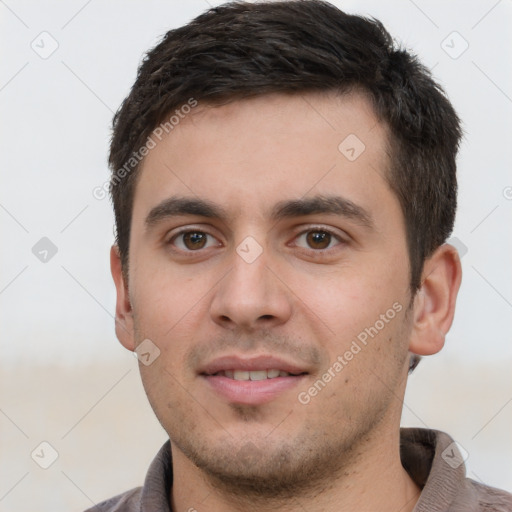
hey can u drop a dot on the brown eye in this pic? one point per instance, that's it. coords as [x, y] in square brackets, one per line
[188, 241]
[194, 240]
[318, 239]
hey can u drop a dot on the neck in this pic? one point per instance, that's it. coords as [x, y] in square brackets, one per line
[375, 480]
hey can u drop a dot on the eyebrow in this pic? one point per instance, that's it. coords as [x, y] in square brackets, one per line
[177, 206]
[334, 205]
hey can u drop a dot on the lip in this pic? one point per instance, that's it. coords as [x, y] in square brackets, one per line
[251, 392]
[255, 363]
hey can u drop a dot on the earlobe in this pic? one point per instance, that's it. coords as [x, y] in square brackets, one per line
[434, 303]
[124, 313]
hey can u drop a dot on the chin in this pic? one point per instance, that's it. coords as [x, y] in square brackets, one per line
[283, 469]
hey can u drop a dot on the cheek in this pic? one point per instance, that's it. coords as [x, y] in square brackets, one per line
[162, 314]
[350, 300]
[165, 297]
[365, 334]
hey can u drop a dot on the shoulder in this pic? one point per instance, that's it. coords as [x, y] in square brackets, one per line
[490, 498]
[126, 502]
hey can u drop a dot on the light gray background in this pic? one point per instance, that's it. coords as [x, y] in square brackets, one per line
[64, 377]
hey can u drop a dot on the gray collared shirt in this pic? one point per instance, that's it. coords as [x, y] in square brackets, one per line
[431, 458]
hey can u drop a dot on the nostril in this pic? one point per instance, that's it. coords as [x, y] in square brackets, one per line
[266, 317]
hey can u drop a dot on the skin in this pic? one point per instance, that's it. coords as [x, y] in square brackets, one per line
[300, 301]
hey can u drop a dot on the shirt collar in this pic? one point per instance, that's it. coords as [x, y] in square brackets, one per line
[435, 463]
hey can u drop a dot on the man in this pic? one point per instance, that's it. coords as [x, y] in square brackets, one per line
[283, 185]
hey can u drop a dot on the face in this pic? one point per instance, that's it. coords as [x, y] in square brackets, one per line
[269, 268]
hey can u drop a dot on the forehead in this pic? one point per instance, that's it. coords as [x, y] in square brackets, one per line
[251, 154]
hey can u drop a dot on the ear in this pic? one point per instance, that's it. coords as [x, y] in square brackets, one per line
[124, 313]
[434, 303]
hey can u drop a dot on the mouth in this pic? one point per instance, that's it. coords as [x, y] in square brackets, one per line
[254, 375]
[253, 380]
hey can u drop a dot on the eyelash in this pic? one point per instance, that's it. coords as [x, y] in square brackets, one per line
[184, 232]
[310, 229]
[320, 229]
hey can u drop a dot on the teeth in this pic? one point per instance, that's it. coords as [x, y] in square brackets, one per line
[240, 375]
[258, 375]
[255, 374]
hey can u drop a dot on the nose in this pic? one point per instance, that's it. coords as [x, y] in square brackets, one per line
[251, 296]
